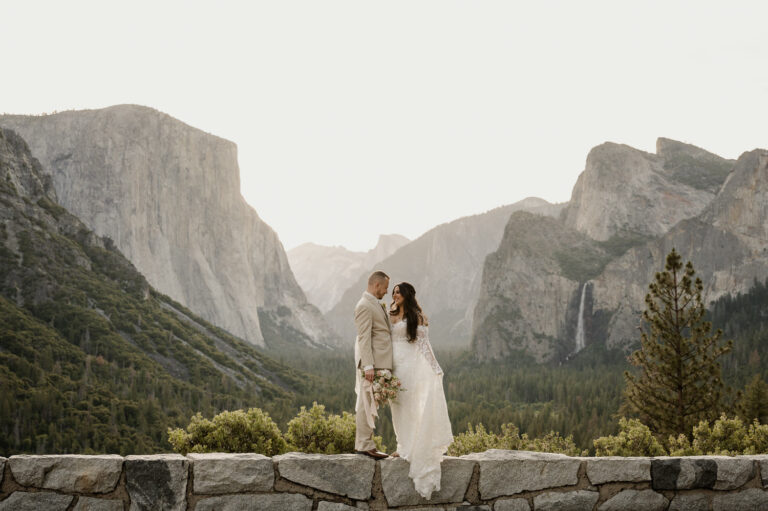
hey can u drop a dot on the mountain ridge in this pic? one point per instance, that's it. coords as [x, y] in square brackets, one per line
[324, 273]
[723, 234]
[168, 194]
[445, 265]
[91, 356]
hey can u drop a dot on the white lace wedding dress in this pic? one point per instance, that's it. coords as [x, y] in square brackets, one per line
[420, 414]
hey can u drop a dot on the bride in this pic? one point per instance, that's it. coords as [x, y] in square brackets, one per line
[419, 415]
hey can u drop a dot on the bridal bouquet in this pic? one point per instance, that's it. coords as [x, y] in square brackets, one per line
[386, 387]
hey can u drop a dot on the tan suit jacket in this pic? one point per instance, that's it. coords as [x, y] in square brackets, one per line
[374, 336]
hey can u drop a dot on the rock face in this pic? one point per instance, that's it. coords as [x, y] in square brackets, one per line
[588, 273]
[726, 243]
[624, 191]
[445, 266]
[643, 500]
[232, 473]
[399, 489]
[28, 501]
[169, 196]
[53, 266]
[510, 472]
[157, 481]
[71, 472]
[566, 501]
[324, 273]
[344, 474]
[523, 306]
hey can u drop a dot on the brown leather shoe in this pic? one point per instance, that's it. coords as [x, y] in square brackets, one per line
[373, 453]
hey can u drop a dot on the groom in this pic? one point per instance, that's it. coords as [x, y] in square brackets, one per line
[374, 351]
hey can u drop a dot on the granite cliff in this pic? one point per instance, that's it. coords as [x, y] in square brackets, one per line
[727, 243]
[445, 265]
[529, 286]
[169, 196]
[624, 191]
[88, 345]
[324, 273]
[554, 286]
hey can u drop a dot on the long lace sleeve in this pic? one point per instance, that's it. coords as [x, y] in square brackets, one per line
[422, 341]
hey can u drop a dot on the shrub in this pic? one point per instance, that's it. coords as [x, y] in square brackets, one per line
[554, 442]
[758, 439]
[725, 437]
[681, 446]
[477, 439]
[237, 431]
[315, 431]
[634, 439]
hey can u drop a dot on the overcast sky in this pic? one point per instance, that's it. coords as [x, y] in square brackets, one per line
[357, 118]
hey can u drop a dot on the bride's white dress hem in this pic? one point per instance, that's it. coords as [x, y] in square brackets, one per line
[420, 414]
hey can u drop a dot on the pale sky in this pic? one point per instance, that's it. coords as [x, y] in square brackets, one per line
[355, 118]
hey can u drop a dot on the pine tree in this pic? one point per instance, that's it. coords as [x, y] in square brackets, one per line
[679, 381]
[753, 404]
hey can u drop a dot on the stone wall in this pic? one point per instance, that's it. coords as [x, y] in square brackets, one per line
[495, 480]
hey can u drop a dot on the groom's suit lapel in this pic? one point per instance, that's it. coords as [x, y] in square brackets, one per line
[386, 316]
[379, 306]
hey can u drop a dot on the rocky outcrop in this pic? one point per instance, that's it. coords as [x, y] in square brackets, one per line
[169, 196]
[727, 243]
[529, 284]
[549, 280]
[498, 479]
[324, 273]
[74, 311]
[627, 192]
[445, 266]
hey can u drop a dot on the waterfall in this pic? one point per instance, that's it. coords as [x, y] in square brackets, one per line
[580, 343]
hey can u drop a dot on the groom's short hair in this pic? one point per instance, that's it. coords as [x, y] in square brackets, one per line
[377, 276]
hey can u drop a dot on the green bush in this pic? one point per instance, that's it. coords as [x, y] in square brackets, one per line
[237, 431]
[758, 439]
[316, 431]
[634, 439]
[477, 439]
[725, 436]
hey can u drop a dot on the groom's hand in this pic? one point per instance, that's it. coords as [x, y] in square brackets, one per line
[369, 375]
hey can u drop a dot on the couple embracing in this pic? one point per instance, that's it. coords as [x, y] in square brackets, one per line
[398, 339]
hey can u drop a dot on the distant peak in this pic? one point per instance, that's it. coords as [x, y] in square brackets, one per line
[666, 147]
[384, 238]
[532, 201]
[613, 148]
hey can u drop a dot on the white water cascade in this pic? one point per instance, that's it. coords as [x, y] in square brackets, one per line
[580, 342]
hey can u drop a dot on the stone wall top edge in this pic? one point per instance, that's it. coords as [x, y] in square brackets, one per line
[493, 454]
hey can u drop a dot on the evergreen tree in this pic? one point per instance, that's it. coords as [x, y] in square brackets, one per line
[753, 404]
[679, 381]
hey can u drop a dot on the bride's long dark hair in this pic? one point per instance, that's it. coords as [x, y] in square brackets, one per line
[411, 309]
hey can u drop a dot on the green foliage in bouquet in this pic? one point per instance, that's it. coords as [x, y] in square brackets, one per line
[317, 431]
[634, 439]
[237, 431]
[477, 439]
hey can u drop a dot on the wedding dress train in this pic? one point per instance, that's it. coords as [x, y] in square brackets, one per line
[420, 414]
